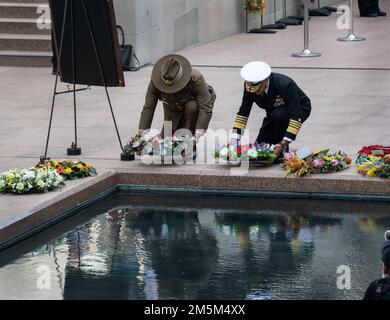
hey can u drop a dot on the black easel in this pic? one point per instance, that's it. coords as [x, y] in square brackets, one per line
[74, 150]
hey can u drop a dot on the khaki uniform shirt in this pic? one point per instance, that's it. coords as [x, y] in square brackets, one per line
[197, 90]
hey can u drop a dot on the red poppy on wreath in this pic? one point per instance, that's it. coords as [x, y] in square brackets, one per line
[239, 150]
[368, 150]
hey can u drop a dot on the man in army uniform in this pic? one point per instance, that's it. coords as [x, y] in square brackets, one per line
[187, 99]
[286, 105]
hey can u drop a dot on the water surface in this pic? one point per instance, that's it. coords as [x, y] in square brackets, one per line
[165, 247]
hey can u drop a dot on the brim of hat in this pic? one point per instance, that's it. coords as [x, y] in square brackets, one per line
[256, 71]
[180, 84]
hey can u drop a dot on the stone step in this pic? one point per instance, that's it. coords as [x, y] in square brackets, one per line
[24, 10]
[20, 42]
[23, 26]
[25, 58]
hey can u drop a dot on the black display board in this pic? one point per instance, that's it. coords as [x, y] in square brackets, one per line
[78, 44]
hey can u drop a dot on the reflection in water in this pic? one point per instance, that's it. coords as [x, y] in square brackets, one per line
[272, 249]
[149, 253]
[182, 252]
[139, 254]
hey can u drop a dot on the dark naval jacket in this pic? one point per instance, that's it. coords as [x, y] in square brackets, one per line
[378, 290]
[283, 92]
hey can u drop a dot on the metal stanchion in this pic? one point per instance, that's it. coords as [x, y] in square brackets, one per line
[246, 21]
[275, 19]
[351, 36]
[306, 53]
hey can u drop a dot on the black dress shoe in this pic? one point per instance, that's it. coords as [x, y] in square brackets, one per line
[382, 14]
[370, 15]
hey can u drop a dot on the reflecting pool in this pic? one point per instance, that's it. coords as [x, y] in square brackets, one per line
[174, 247]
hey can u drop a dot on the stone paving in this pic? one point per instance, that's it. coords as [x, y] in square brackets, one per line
[276, 49]
[350, 109]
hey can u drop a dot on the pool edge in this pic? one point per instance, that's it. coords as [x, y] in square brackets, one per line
[72, 201]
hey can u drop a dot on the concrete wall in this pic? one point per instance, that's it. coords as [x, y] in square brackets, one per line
[159, 27]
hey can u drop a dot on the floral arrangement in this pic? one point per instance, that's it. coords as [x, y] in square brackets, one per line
[374, 161]
[155, 145]
[34, 180]
[253, 152]
[167, 146]
[254, 6]
[320, 162]
[135, 145]
[70, 170]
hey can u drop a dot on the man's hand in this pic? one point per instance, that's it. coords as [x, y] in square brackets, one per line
[278, 149]
[141, 133]
[285, 144]
[281, 147]
[198, 135]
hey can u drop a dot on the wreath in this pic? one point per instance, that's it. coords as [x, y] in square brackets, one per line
[34, 180]
[254, 6]
[256, 153]
[69, 169]
[374, 161]
[321, 162]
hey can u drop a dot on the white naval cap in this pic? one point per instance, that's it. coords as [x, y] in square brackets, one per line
[256, 71]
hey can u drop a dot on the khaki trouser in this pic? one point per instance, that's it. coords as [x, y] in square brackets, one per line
[185, 117]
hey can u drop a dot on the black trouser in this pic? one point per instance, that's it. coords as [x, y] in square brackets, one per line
[368, 6]
[274, 127]
[276, 124]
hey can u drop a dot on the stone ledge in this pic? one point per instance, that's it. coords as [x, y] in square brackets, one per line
[51, 211]
[46, 211]
[334, 183]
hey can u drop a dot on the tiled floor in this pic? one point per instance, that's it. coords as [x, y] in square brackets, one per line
[276, 49]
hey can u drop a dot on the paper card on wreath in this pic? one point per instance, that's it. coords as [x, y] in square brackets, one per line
[303, 153]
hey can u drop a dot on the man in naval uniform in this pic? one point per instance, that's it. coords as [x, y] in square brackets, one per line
[287, 106]
[187, 99]
[380, 289]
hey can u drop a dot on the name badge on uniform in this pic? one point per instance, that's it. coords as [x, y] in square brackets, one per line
[279, 102]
